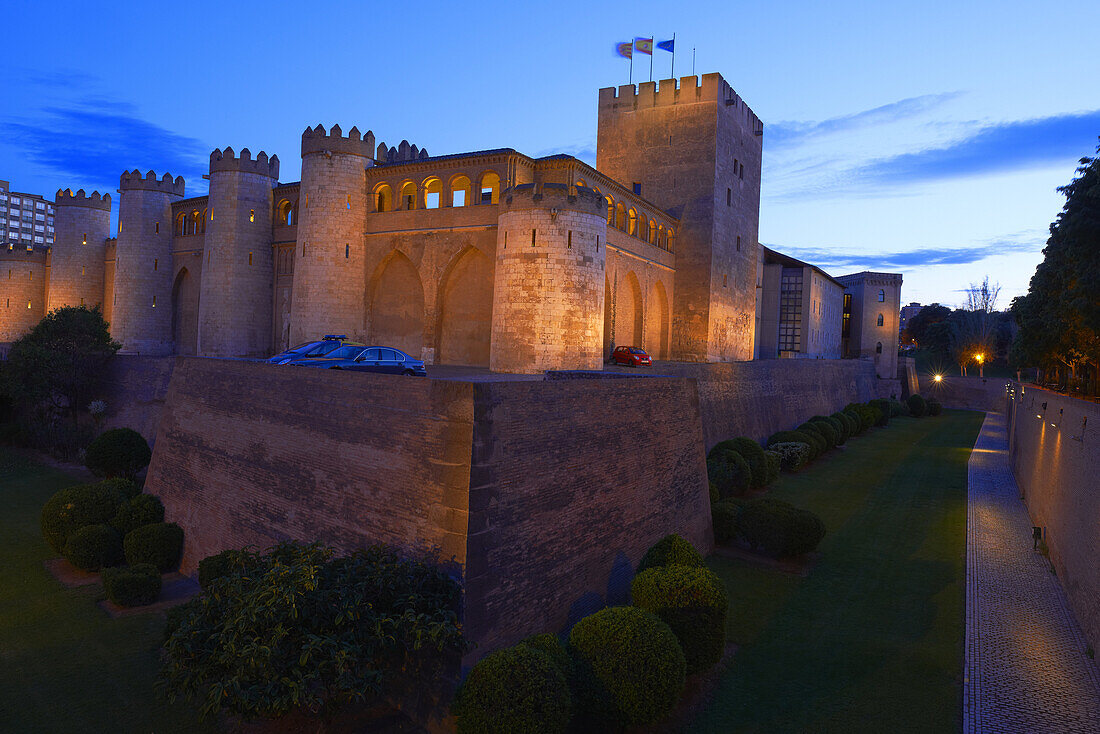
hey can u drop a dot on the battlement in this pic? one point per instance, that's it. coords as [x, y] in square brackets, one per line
[403, 153]
[316, 140]
[66, 197]
[553, 196]
[133, 180]
[12, 252]
[685, 90]
[244, 163]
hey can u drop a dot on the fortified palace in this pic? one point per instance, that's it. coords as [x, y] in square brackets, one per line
[489, 258]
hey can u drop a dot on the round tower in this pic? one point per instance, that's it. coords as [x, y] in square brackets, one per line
[330, 259]
[235, 294]
[548, 288]
[82, 225]
[142, 311]
[23, 297]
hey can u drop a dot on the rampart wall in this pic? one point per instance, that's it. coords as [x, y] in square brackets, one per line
[967, 393]
[1054, 450]
[135, 390]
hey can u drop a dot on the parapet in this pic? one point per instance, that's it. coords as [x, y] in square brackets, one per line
[402, 153]
[66, 197]
[553, 196]
[226, 160]
[14, 252]
[316, 140]
[691, 89]
[133, 180]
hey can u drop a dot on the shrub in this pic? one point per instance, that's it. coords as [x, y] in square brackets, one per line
[934, 407]
[752, 453]
[821, 444]
[724, 516]
[882, 405]
[144, 509]
[841, 429]
[917, 406]
[793, 455]
[794, 437]
[134, 586]
[93, 547]
[714, 494]
[693, 603]
[120, 452]
[160, 544]
[729, 472]
[551, 646]
[857, 420]
[828, 431]
[71, 509]
[863, 413]
[851, 425]
[635, 659]
[898, 408]
[517, 689]
[217, 566]
[779, 529]
[771, 460]
[671, 550]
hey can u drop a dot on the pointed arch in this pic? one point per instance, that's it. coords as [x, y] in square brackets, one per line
[465, 310]
[396, 314]
[608, 316]
[185, 313]
[657, 322]
[628, 311]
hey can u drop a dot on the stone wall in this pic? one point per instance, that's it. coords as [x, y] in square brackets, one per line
[134, 390]
[1054, 449]
[967, 393]
[23, 274]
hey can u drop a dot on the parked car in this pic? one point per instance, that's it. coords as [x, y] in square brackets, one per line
[385, 360]
[631, 357]
[319, 348]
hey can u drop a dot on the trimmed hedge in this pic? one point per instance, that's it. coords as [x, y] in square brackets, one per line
[160, 544]
[934, 407]
[771, 458]
[93, 547]
[517, 689]
[857, 418]
[898, 409]
[635, 662]
[917, 406]
[840, 428]
[882, 405]
[671, 550]
[865, 414]
[851, 425]
[820, 442]
[119, 452]
[724, 516]
[751, 452]
[730, 473]
[71, 509]
[145, 509]
[828, 432]
[794, 437]
[779, 529]
[693, 603]
[793, 455]
[133, 586]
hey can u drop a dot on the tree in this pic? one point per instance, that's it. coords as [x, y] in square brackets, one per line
[918, 325]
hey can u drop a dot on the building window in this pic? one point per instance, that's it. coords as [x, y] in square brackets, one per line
[569, 240]
[724, 277]
[880, 320]
[154, 301]
[741, 172]
[154, 263]
[739, 243]
[252, 215]
[637, 188]
[156, 227]
[729, 196]
[250, 258]
[347, 250]
[84, 241]
[881, 296]
[532, 238]
[878, 348]
[790, 310]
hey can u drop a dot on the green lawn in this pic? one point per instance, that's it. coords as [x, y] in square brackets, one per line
[872, 640]
[64, 665]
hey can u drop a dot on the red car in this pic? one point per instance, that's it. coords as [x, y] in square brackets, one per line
[631, 357]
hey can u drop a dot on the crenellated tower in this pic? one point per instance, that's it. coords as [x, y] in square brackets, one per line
[82, 225]
[142, 309]
[330, 262]
[22, 289]
[235, 295]
[548, 287]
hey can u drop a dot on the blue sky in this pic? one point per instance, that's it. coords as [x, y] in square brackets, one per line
[923, 138]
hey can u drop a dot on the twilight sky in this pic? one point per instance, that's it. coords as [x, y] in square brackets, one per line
[925, 138]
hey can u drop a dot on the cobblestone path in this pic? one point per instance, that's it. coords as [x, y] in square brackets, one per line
[1025, 667]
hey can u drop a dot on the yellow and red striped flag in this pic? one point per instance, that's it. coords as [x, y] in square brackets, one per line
[626, 49]
[644, 45]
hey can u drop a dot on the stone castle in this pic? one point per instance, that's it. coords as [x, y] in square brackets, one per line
[490, 258]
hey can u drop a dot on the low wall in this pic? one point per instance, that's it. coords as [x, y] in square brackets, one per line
[1054, 448]
[134, 390]
[966, 393]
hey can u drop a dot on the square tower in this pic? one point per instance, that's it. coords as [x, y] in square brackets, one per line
[694, 149]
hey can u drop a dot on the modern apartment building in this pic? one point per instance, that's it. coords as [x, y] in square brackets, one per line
[25, 219]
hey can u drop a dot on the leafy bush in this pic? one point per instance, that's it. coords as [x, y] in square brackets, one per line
[144, 509]
[882, 405]
[841, 429]
[794, 437]
[671, 550]
[160, 544]
[729, 472]
[517, 689]
[93, 547]
[693, 603]
[752, 453]
[771, 460]
[828, 432]
[898, 408]
[302, 630]
[120, 452]
[715, 495]
[793, 455]
[217, 566]
[635, 659]
[124, 488]
[820, 443]
[934, 407]
[724, 516]
[864, 413]
[851, 425]
[917, 406]
[857, 418]
[71, 509]
[779, 529]
[133, 586]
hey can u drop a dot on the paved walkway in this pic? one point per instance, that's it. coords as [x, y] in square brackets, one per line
[1025, 668]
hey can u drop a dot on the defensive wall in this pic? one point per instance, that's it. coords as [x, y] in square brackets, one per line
[966, 393]
[135, 389]
[1054, 450]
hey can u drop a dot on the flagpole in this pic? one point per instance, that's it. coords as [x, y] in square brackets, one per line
[630, 79]
[652, 50]
[693, 61]
[672, 72]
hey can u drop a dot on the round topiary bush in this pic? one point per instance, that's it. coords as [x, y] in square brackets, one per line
[771, 459]
[724, 516]
[125, 488]
[857, 420]
[917, 406]
[145, 509]
[635, 658]
[847, 422]
[794, 437]
[882, 405]
[693, 603]
[715, 495]
[93, 547]
[133, 586]
[119, 452]
[517, 689]
[934, 407]
[71, 509]
[793, 455]
[841, 429]
[821, 443]
[829, 431]
[671, 550]
[160, 544]
[729, 472]
[751, 452]
[779, 529]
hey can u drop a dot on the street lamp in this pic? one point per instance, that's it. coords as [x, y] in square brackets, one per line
[938, 378]
[981, 364]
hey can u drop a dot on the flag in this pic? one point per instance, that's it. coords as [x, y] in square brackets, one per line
[644, 45]
[625, 49]
[667, 46]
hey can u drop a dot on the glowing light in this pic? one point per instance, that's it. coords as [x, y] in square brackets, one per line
[938, 378]
[980, 357]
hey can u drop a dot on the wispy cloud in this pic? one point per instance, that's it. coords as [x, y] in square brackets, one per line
[832, 259]
[786, 133]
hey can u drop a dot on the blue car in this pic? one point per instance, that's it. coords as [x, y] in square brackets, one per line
[385, 360]
[319, 348]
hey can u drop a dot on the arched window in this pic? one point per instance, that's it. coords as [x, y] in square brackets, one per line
[610, 211]
[878, 348]
[181, 224]
[661, 236]
[620, 216]
[489, 189]
[670, 240]
[286, 212]
[881, 297]
[460, 191]
[632, 222]
[198, 222]
[433, 193]
[580, 182]
[652, 232]
[383, 198]
[408, 196]
[880, 320]
[202, 221]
